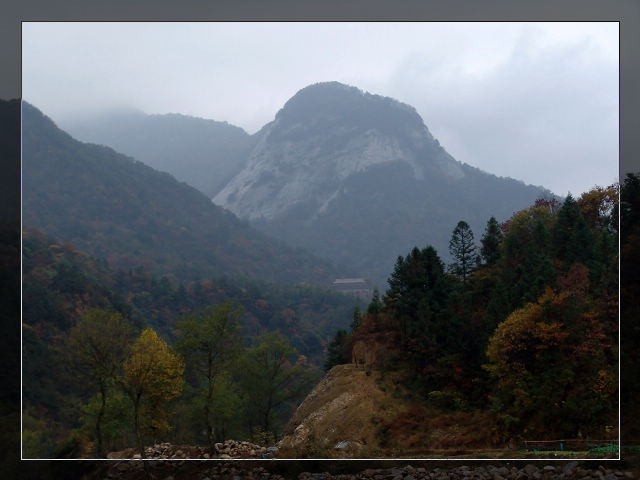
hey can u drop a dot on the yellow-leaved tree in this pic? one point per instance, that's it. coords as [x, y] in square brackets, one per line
[152, 376]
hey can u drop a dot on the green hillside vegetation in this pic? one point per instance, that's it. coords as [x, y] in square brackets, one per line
[65, 288]
[118, 209]
[522, 324]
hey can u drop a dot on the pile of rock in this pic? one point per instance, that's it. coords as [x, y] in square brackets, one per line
[235, 449]
[230, 449]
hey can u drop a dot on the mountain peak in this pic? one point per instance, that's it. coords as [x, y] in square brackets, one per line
[338, 102]
[325, 134]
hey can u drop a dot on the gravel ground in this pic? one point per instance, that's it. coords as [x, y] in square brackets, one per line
[278, 470]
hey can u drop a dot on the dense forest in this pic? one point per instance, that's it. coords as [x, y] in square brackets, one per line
[72, 301]
[523, 323]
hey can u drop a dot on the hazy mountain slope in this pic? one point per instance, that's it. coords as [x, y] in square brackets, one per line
[204, 153]
[120, 209]
[359, 179]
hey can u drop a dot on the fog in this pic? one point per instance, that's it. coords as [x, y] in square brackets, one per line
[533, 101]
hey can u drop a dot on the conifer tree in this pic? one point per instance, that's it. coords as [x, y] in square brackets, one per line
[571, 237]
[375, 306]
[357, 319]
[491, 242]
[335, 351]
[463, 250]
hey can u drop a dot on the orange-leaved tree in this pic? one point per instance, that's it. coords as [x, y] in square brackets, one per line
[554, 363]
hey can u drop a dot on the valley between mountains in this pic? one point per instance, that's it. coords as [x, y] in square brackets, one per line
[177, 290]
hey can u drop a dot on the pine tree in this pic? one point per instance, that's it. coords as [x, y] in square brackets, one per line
[571, 237]
[491, 240]
[357, 319]
[375, 306]
[463, 250]
[335, 351]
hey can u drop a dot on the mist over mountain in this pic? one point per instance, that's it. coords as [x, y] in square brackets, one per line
[204, 153]
[118, 209]
[358, 178]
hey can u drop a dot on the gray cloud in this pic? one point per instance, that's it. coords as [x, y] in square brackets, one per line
[537, 102]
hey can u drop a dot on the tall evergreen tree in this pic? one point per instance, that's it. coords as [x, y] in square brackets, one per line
[491, 239]
[571, 237]
[335, 351]
[375, 306]
[357, 319]
[463, 250]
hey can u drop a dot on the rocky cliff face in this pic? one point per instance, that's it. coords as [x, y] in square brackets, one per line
[323, 135]
[359, 179]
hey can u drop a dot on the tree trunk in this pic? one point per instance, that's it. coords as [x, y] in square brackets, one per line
[207, 411]
[210, 439]
[136, 415]
[101, 452]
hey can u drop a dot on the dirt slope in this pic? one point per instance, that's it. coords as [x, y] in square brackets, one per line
[350, 414]
[340, 417]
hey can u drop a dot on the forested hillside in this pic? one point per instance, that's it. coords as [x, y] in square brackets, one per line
[523, 324]
[115, 208]
[64, 288]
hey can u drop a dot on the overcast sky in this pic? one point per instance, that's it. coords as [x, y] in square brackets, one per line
[534, 101]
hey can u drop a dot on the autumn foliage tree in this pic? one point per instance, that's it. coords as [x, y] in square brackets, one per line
[539, 313]
[152, 376]
[553, 361]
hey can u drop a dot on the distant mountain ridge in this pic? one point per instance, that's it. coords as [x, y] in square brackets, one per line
[119, 209]
[204, 153]
[358, 178]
